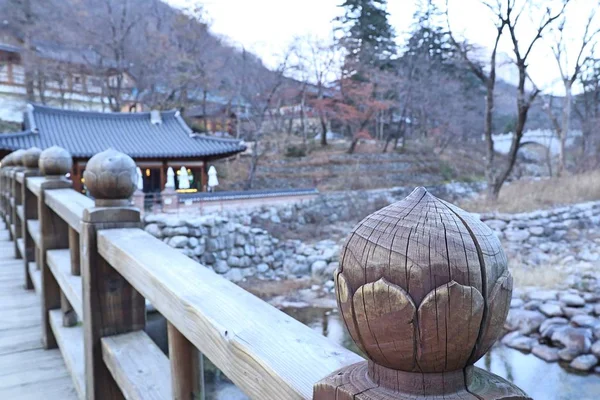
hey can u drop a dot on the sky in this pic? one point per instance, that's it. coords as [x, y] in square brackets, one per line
[267, 27]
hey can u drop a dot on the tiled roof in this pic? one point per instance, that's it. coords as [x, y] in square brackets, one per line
[86, 133]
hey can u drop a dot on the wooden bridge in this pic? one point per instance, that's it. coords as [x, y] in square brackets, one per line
[75, 274]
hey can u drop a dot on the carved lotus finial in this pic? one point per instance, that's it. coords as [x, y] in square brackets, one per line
[111, 175]
[423, 286]
[17, 158]
[31, 158]
[55, 161]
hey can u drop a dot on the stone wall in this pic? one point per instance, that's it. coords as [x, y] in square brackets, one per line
[560, 235]
[238, 251]
[351, 206]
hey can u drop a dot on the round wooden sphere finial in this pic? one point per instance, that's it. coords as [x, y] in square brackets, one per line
[111, 175]
[55, 161]
[17, 158]
[31, 158]
[423, 286]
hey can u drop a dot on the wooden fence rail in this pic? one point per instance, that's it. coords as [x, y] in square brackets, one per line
[94, 268]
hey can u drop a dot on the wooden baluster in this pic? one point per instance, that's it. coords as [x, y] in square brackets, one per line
[69, 315]
[110, 304]
[16, 194]
[185, 370]
[30, 209]
[54, 163]
[424, 290]
[74, 248]
[4, 193]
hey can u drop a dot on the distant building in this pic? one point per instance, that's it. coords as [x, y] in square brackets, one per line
[219, 115]
[64, 77]
[155, 140]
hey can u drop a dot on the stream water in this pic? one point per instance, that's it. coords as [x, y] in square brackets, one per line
[539, 379]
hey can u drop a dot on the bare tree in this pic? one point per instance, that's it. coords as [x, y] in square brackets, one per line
[264, 89]
[569, 75]
[507, 16]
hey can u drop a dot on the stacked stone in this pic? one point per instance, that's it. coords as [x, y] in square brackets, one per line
[539, 237]
[239, 251]
[558, 325]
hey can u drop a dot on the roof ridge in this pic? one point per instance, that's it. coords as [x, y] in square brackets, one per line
[36, 107]
[16, 134]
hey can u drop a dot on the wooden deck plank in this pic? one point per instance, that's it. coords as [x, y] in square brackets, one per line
[27, 371]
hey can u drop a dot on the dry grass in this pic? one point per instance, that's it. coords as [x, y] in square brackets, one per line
[530, 195]
[543, 277]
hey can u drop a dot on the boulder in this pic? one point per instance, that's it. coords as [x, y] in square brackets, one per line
[542, 295]
[584, 363]
[584, 321]
[536, 230]
[567, 355]
[496, 224]
[546, 353]
[262, 268]
[551, 310]
[516, 303]
[578, 340]
[516, 235]
[520, 342]
[234, 275]
[596, 348]
[525, 321]
[550, 325]
[318, 269]
[178, 242]
[154, 230]
[221, 267]
[572, 300]
[193, 242]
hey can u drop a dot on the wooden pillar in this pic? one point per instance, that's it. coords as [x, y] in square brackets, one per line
[204, 176]
[163, 175]
[185, 371]
[111, 305]
[54, 163]
[433, 302]
[30, 210]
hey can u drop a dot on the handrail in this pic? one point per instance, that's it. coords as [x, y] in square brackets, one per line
[265, 352]
[69, 205]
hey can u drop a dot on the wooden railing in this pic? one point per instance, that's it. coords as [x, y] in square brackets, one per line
[94, 268]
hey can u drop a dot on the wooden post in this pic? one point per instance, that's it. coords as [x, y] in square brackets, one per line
[69, 315]
[7, 165]
[30, 209]
[16, 194]
[74, 250]
[185, 371]
[54, 163]
[424, 290]
[110, 304]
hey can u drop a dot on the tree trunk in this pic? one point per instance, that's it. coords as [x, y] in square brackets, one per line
[353, 146]
[204, 120]
[566, 119]
[489, 141]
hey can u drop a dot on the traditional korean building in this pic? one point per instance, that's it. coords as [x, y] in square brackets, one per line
[155, 140]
